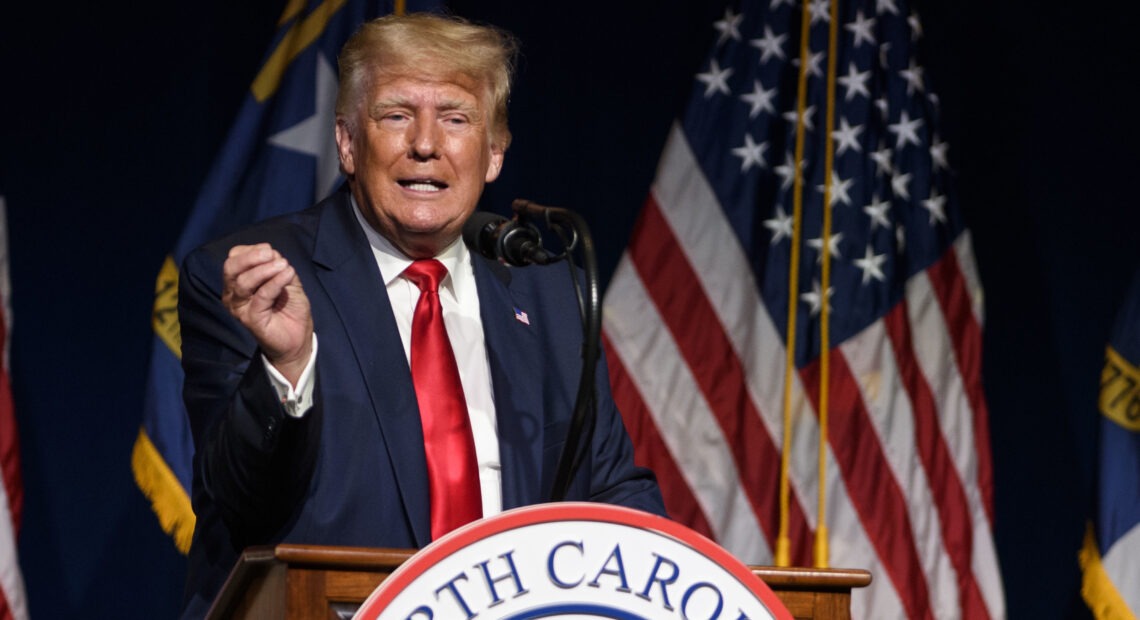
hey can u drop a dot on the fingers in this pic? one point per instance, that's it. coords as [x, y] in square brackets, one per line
[254, 273]
[267, 295]
[263, 292]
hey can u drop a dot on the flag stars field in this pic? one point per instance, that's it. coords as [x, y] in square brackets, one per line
[847, 137]
[770, 45]
[780, 225]
[815, 59]
[833, 242]
[906, 130]
[883, 107]
[872, 265]
[806, 119]
[938, 151]
[855, 82]
[838, 189]
[760, 99]
[862, 29]
[814, 298]
[936, 205]
[751, 154]
[729, 27]
[913, 77]
[820, 11]
[884, 54]
[900, 184]
[877, 211]
[787, 171]
[715, 79]
[882, 159]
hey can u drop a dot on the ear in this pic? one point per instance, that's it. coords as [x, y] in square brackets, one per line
[344, 146]
[496, 164]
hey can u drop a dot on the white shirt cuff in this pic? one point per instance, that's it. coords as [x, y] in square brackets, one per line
[296, 400]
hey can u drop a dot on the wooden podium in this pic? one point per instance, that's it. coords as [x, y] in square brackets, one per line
[306, 582]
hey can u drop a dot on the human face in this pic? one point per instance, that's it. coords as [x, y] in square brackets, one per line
[417, 154]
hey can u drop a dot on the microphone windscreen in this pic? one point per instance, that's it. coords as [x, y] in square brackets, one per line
[479, 233]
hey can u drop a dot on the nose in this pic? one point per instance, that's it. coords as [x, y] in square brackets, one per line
[424, 138]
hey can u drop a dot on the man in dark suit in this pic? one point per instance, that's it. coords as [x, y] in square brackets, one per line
[303, 336]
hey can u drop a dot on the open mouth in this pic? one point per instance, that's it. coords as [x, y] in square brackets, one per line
[423, 185]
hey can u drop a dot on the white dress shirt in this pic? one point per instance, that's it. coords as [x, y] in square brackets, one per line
[460, 302]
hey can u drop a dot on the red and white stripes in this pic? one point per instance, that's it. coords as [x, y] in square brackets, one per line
[13, 605]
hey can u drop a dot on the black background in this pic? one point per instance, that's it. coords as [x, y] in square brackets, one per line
[112, 114]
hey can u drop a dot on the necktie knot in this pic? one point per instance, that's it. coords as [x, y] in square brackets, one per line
[426, 274]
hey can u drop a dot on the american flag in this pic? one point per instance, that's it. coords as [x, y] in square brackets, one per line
[698, 326]
[13, 602]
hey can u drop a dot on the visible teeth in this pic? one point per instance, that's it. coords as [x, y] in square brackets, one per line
[422, 187]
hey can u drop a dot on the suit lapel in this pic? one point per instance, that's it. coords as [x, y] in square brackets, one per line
[353, 284]
[516, 376]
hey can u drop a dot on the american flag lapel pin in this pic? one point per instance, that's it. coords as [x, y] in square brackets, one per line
[521, 317]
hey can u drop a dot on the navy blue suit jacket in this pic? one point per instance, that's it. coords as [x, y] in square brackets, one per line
[352, 470]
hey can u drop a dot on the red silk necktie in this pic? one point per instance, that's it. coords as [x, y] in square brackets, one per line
[453, 473]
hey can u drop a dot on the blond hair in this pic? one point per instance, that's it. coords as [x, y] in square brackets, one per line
[434, 43]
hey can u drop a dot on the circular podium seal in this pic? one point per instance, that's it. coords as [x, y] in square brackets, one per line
[573, 561]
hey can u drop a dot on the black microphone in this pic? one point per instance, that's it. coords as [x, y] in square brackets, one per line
[511, 241]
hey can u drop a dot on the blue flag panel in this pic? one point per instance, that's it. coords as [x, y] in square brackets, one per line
[1111, 556]
[279, 156]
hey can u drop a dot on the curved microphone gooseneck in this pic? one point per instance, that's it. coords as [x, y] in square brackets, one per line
[590, 311]
[518, 242]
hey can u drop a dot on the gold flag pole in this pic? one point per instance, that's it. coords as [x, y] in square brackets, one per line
[783, 541]
[821, 553]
